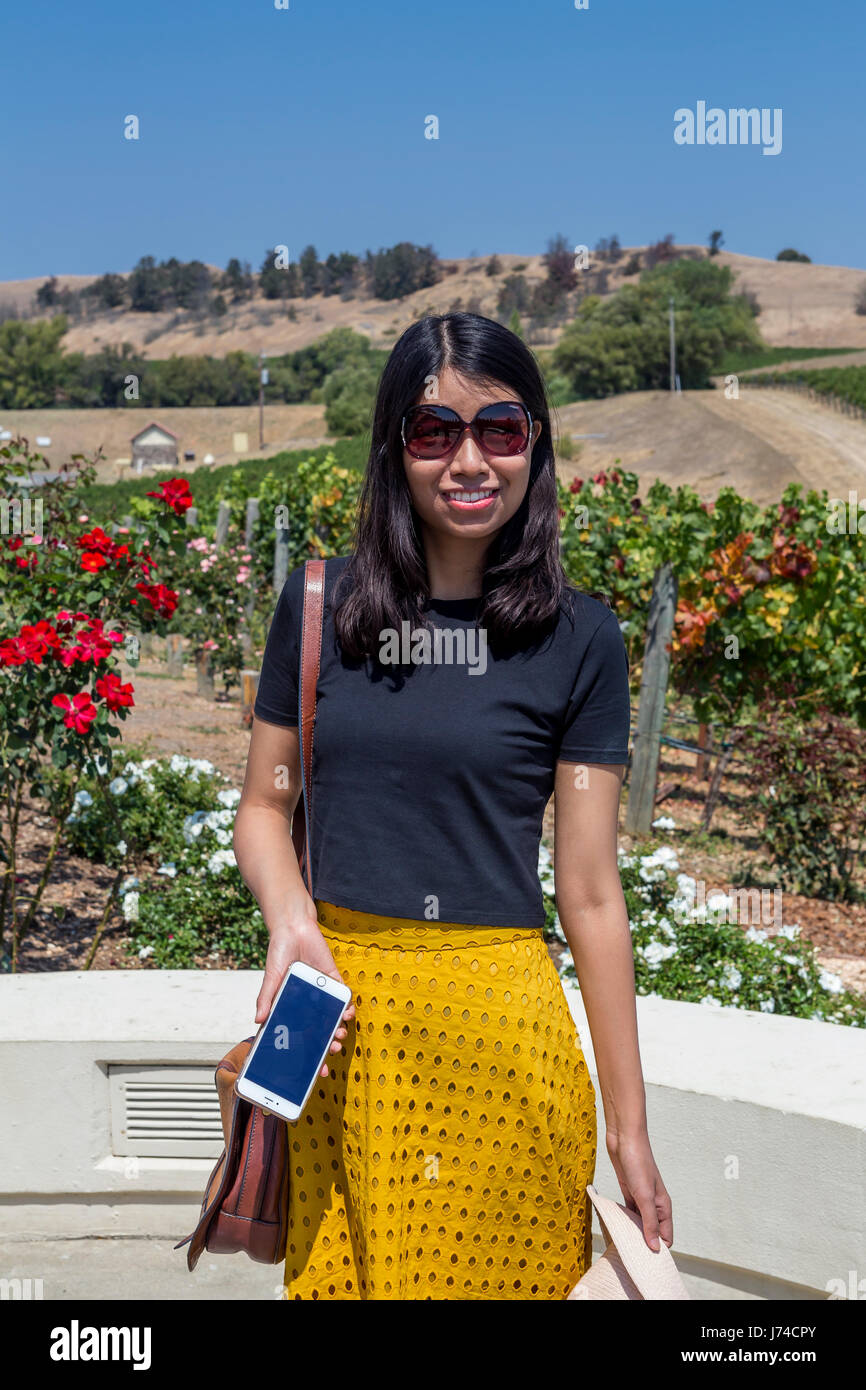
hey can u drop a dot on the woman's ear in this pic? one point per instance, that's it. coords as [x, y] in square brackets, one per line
[536, 431]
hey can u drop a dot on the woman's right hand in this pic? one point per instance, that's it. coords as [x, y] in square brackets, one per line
[299, 938]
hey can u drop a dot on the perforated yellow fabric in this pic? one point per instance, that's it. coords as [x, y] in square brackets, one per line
[447, 1154]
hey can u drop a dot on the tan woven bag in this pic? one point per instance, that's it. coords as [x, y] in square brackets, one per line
[628, 1268]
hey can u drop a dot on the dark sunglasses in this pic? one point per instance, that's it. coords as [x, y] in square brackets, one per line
[433, 431]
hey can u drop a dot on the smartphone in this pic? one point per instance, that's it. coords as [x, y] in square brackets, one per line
[286, 1057]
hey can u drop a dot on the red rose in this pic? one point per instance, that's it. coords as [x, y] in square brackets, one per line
[80, 711]
[115, 694]
[576, 485]
[163, 599]
[176, 494]
[93, 562]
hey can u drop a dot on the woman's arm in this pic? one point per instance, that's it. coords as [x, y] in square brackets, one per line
[269, 867]
[593, 914]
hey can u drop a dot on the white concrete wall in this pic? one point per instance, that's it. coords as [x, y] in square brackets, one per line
[758, 1123]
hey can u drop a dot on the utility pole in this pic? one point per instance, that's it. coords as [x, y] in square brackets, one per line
[673, 349]
[263, 381]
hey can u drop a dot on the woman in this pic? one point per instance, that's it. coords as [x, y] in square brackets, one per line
[447, 1154]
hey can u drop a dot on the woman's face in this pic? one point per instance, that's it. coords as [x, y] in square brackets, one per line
[468, 493]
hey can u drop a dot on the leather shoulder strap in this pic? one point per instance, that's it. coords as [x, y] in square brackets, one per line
[310, 663]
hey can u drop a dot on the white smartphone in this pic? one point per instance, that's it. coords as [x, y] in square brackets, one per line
[284, 1061]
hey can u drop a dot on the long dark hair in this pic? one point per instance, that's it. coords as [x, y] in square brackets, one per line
[386, 580]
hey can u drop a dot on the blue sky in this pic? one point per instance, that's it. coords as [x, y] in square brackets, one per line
[261, 126]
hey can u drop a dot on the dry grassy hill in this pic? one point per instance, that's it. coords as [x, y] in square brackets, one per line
[801, 306]
[758, 443]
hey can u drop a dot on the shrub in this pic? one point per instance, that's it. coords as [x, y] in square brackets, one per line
[789, 254]
[513, 296]
[687, 950]
[809, 781]
[71, 598]
[622, 343]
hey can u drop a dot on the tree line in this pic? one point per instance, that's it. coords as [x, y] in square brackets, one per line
[36, 372]
[153, 286]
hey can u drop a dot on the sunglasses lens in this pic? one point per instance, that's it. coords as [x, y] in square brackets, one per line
[502, 429]
[431, 432]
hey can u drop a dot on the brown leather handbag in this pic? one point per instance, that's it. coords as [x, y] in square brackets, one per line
[246, 1200]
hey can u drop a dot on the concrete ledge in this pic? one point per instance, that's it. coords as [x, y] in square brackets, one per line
[758, 1123]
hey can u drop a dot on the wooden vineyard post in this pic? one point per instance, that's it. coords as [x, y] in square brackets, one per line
[651, 710]
[222, 523]
[174, 654]
[281, 558]
[250, 523]
[204, 674]
[702, 762]
[249, 687]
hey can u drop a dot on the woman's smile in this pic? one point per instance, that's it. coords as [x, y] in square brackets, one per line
[471, 500]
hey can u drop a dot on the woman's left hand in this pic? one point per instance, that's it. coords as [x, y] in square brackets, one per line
[641, 1185]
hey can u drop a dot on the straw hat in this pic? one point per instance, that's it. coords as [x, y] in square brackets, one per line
[628, 1268]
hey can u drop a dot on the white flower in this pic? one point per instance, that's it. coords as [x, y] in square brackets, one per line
[222, 837]
[121, 847]
[791, 960]
[170, 870]
[193, 826]
[656, 866]
[118, 786]
[199, 765]
[772, 790]
[83, 798]
[655, 952]
[768, 1006]
[732, 978]
[756, 934]
[665, 926]
[832, 983]
[145, 952]
[178, 763]
[129, 905]
[130, 882]
[710, 1002]
[221, 859]
[790, 933]
[229, 797]
[664, 823]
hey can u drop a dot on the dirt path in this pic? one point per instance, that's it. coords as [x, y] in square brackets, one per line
[758, 443]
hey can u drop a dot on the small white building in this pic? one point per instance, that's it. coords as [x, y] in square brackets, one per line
[154, 446]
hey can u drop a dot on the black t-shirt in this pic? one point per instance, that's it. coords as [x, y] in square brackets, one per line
[430, 780]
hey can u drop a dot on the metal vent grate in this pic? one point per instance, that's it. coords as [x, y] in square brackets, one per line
[164, 1112]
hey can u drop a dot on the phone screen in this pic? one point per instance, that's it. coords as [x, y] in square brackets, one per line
[293, 1040]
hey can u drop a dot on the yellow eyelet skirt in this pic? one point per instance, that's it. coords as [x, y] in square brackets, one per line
[448, 1153]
